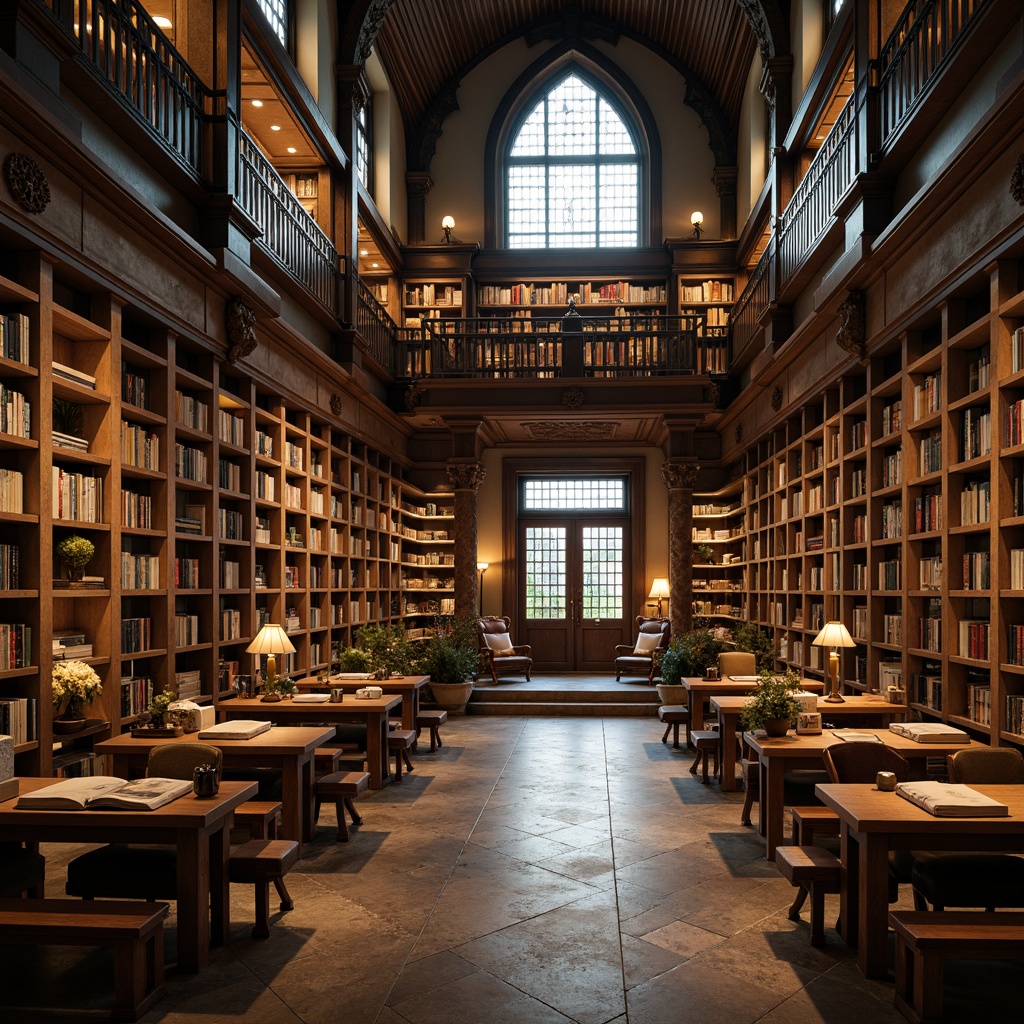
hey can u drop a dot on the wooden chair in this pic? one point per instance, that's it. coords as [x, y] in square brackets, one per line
[640, 659]
[737, 663]
[498, 655]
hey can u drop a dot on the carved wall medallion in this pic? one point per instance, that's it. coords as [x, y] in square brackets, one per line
[26, 182]
[572, 430]
[336, 404]
[1017, 180]
[240, 320]
[853, 323]
[413, 396]
[573, 398]
[777, 398]
[711, 393]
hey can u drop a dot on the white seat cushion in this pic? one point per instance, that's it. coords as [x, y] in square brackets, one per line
[646, 643]
[498, 643]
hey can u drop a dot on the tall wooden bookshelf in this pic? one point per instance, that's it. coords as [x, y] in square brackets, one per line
[214, 505]
[720, 581]
[894, 501]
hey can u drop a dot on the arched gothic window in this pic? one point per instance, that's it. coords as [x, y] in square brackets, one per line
[572, 171]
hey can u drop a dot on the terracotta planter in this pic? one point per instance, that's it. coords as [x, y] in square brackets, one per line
[776, 726]
[452, 697]
[670, 693]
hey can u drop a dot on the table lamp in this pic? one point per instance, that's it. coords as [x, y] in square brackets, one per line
[271, 640]
[834, 634]
[659, 592]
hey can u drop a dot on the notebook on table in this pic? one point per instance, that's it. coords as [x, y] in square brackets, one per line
[234, 730]
[311, 698]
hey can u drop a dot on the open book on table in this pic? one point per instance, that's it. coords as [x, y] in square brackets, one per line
[951, 800]
[105, 793]
[853, 736]
[930, 732]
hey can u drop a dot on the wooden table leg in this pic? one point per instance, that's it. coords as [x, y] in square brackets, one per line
[728, 732]
[220, 902]
[773, 801]
[307, 784]
[873, 880]
[194, 900]
[292, 800]
[849, 914]
[696, 710]
[377, 759]
[409, 710]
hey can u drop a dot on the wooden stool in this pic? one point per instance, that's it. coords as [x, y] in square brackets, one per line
[809, 822]
[925, 938]
[400, 741]
[704, 741]
[432, 720]
[340, 788]
[674, 715]
[326, 760]
[817, 871]
[260, 817]
[135, 931]
[260, 862]
[751, 772]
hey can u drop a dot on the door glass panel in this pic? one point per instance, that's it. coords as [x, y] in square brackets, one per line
[602, 572]
[545, 572]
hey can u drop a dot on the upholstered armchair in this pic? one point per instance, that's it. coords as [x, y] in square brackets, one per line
[498, 655]
[642, 658]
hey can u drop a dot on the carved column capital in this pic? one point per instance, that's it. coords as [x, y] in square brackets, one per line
[466, 476]
[680, 475]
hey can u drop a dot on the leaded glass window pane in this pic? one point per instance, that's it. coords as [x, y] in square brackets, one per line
[545, 572]
[276, 12]
[602, 572]
[581, 494]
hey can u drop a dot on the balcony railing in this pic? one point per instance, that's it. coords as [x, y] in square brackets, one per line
[813, 205]
[290, 234]
[376, 328]
[514, 348]
[754, 300]
[926, 33]
[126, 49]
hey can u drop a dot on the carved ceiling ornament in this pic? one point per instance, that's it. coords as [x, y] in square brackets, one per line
[777, 397]
[412, 397]
[680, 474]
[240, 321]
[573, 398]
[336, 404]
[466, 475]
[853, 322]
[1017, 181]
[26, 182]
[572, 430]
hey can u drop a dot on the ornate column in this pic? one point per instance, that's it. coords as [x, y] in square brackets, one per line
[679, 477]
[466, 478]
[417, 185]
[724, 179]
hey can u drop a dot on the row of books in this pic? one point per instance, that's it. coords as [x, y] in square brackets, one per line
[70, 643]
[14, 337]
[12, 490]
[140, 572]
[19, 719]
[191, 411]
[15, 645]
[77, 496]
[136, 635]
[140, 447]
[136, 510]
[10, 567]
[190, 464]
[135, 388]
[136, 693]
[15, 413]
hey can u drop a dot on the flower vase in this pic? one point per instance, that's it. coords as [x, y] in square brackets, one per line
[69, 720]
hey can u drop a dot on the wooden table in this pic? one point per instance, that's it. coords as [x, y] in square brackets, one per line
[372, 713]
[289, 750]
[702, 689]
[200, 829]
[873, 823]
[782, 754]
[408, 687]
[730, 708]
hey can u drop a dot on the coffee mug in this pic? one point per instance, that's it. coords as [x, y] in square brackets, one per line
[337, 695]
[205, 780]
[886, 782]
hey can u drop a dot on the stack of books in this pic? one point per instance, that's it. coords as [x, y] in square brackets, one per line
[69, 373]
[70, 643]
[78, 444]
[188, 684]
[85, 583]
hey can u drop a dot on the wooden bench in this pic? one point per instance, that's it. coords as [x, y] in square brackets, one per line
[260, 862]
[924, 939]
[400, 742]
[135, 931]
[432, 720]
[260, 817]
[705, 742]
[674, 715]
[326, 760]
[340, 788]
[818, 871]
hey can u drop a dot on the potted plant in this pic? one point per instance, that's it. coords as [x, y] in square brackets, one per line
[73, 684]
[756, 641]
[450, 657]
[387, 648]
[700, 649]
[353, 659]
[671, 665]
[75, 553]
[773, 706]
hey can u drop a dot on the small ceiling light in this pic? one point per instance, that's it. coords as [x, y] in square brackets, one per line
[696, 219]
[292, 149]
[364, 252]
[448, 226]
[257, 103]
[164, 23]
[275, 127]
[375, 265]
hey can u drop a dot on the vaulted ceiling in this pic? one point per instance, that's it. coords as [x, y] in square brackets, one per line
[428, 46]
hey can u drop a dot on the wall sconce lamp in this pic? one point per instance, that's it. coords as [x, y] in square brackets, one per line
[659, 592]
[696, 219]
[271, 640]
[448, 226]
[481, 568]
[834, 634]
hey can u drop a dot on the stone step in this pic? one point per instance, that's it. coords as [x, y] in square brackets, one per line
[561, 709]
[510, 695]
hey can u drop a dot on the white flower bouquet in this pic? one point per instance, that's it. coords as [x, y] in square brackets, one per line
[73, 685]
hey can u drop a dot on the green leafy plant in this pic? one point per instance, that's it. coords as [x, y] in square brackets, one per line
[705, 552]
[285, 685]
[67, 417]
[353, 659]
[387, 648]
[672, 663]
[157, 708]
[756, 641]
[75, 552]
[450, 654]
[699, 650]
[773, 700]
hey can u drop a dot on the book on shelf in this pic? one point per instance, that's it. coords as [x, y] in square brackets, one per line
[68, 644]
[196, 514]
[101, 792]
[62, 440]
[69, 373]
[234, 730]
[188, 683]
[85, 583]
[951, 800]
[187, 524]
[929, 732]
